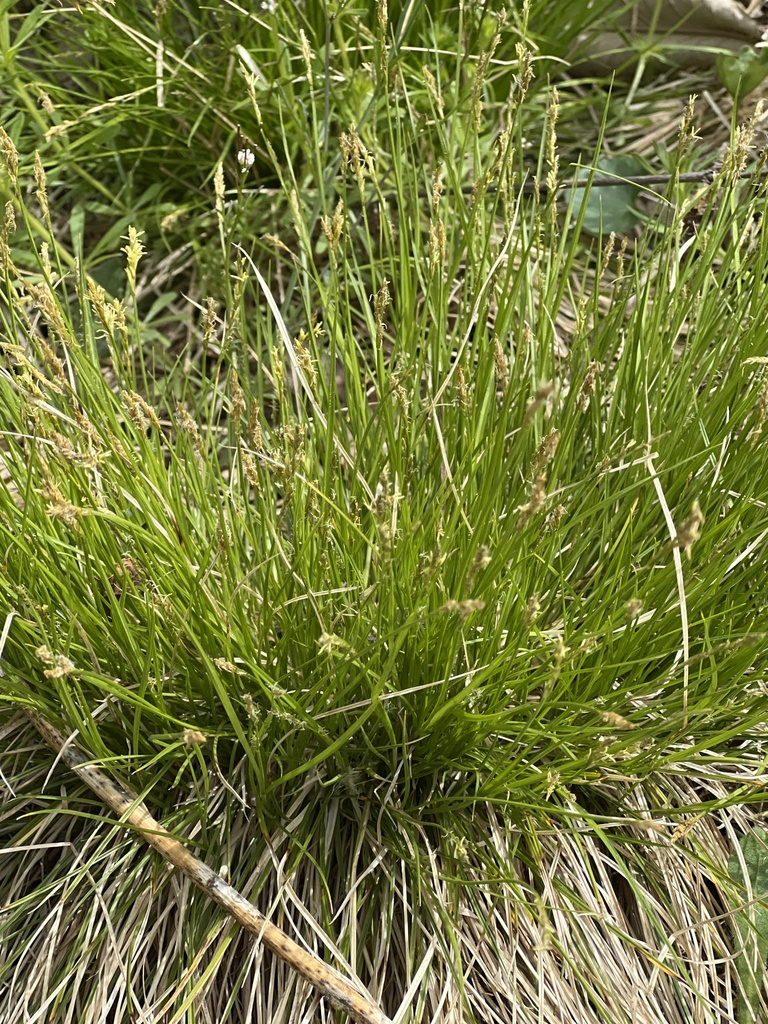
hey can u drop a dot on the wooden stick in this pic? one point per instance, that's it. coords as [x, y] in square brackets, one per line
[128, 806]
[640, 180]
[530, 186]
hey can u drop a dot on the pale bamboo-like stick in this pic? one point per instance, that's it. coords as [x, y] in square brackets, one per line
[128, 806]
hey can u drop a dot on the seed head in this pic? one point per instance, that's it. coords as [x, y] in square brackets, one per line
[555, 517]
[334, 228]
[380, 306]
[535, 501]
[608, 251]
[461, 386]
[11, 156]
[354, 155]
[588, 386]
[553, 112]
[46, 302]
[545, 452]
[188, 425]
[142, 414]
[134, 250]
[532, 609]
[193, 738]
[65, 511]
[42, 193]
[226, 666]
[401, 397]
[254, 428]
[305, 359]
[434, 92]
[219, 188]
[525, 74]
[62, 666]
[481, 561]
[45, 101]
[689, 530]
[616, 721]
[436, 244]
[306, 53]
[251, 470]
[209, 323]
[330, 641]
[462, 608]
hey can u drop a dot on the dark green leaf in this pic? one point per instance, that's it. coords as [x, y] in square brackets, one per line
[742, 72]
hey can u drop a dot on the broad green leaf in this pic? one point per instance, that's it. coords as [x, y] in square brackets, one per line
[742, 72]
[612, 208]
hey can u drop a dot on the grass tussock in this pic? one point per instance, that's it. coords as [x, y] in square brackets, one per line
[403, 548]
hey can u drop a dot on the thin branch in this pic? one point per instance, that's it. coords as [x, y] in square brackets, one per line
[132, 811]
[531, 187]
[640, 180]
[643, 181]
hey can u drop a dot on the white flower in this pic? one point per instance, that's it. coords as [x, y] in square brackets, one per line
[245, 158]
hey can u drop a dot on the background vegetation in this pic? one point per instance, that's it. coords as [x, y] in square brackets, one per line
[399, 541]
